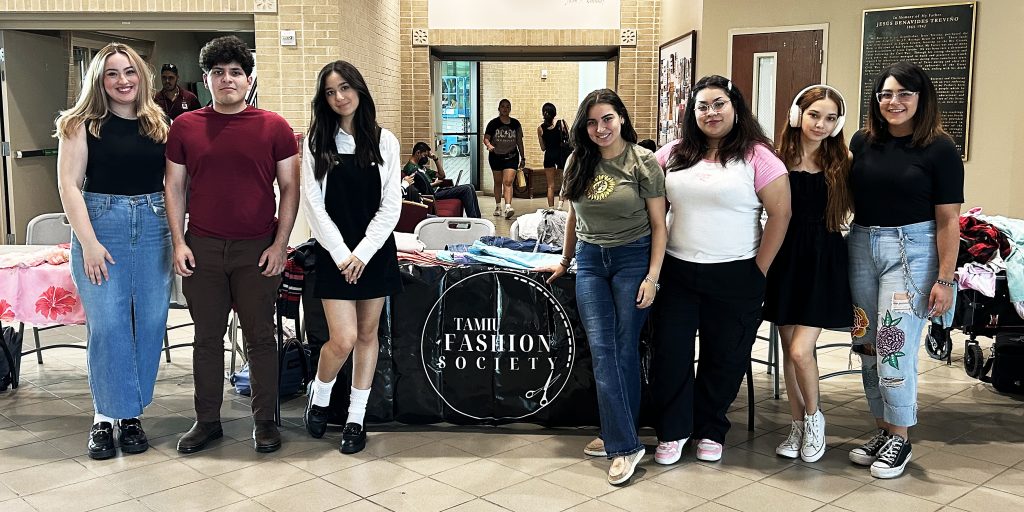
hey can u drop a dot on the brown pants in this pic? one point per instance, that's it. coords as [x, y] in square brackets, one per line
[227, 276]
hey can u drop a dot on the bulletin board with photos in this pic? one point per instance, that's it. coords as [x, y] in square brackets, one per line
[940, 39]
[676, 67]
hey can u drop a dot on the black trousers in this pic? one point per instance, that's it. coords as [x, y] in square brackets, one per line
[723, 302]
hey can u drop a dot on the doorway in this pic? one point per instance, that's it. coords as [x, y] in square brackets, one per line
[770, 65]
[33, 79]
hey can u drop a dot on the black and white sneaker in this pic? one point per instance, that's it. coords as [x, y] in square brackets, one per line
[892, 458]
[867, 453]
[315, 416]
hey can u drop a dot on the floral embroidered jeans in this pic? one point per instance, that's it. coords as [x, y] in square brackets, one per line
[892, 271]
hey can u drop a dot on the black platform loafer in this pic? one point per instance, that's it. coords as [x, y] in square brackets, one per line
[266, 438]
[131, 437]
[101, 441]
[353, 438]
[201, 433]
[315, 417]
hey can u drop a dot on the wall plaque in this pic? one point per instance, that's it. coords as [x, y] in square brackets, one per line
[940, 39]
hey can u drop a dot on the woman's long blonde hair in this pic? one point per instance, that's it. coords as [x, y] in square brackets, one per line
[93, 105]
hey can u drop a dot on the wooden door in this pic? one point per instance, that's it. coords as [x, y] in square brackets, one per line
[798, 63]
[34, 80]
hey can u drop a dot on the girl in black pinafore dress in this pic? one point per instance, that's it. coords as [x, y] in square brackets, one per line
[808, 284]
[352, 197]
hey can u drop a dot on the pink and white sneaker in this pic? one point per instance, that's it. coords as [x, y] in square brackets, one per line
[668, 452]
[709, 451]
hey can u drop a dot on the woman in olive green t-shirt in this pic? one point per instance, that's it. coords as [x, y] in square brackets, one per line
[616, 230]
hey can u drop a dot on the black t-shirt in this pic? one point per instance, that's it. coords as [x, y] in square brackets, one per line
[504, 137]
[894, 184]
[122, 161]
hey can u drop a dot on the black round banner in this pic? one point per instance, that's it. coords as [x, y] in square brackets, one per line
[497, 345]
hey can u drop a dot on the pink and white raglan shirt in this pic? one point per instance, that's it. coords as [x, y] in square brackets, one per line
[716, 214]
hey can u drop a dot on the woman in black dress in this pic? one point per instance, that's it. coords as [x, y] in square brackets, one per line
[552, 134]
[352, 197]
[807, 287]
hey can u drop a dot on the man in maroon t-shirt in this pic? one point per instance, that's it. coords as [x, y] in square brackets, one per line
[234, 251]
[174, 99]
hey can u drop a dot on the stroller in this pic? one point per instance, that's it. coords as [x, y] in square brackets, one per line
[975, 315]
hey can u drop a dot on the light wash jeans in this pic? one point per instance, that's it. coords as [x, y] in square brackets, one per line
[127, 315]
[892, 271]
[607, 281]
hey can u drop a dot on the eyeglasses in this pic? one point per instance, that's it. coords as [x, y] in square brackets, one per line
[714, 108]
[888, 96]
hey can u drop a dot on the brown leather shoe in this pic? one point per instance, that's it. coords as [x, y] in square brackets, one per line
[266, 437]
[201, 433]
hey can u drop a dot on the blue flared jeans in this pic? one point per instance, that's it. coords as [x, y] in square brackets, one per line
[126, 317]
[607, 282]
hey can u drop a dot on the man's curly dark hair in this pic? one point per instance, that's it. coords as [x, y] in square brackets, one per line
[223, 50]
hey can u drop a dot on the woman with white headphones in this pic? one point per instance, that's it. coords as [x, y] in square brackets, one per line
[808, 288]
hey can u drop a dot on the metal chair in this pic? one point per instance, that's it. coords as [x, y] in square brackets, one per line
[47, 229]
[438, 232]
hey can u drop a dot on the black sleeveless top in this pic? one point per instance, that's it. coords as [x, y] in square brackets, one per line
[552, 136]
[122, 161]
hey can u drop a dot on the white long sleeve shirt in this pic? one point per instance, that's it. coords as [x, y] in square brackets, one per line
[384, 221]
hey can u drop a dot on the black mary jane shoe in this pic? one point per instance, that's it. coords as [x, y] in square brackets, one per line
[101, 441]
[315, 417]
[131, 437]
[353, 438]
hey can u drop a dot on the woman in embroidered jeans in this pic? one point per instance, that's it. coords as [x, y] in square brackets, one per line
[616, 230]
[722, 173]
[808, 285]
[907, 182]
[110, 171]
[352, 196]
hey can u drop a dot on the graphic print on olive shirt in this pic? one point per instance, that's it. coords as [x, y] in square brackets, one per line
[602, 187]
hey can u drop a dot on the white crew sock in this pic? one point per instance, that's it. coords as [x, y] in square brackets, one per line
[357, 405]
[99, 418]
[322, 392]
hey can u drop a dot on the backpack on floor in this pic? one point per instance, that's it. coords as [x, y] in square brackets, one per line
[1006, 364]
[10, 357]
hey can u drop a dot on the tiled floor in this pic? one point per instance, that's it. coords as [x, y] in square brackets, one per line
[968, 454]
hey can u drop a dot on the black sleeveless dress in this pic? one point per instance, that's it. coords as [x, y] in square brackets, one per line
[352, 198]
[808, 282]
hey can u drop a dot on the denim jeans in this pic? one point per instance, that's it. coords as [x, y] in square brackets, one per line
[126, 317]
[892, 271]
[607, 281]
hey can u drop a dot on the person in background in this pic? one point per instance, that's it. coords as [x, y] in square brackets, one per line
[174, 99]
[503, 139]
[352, 198]
[907, 184]
[808, 284]
[110, 170]
[551, 135]
[427, 181]
[722, 174]
[616, 231]
[235, 249]
[648, 144]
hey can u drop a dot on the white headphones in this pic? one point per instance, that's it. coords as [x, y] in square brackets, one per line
[795, 113]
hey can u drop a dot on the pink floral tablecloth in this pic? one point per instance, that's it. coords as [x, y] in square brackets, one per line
[39, 295]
